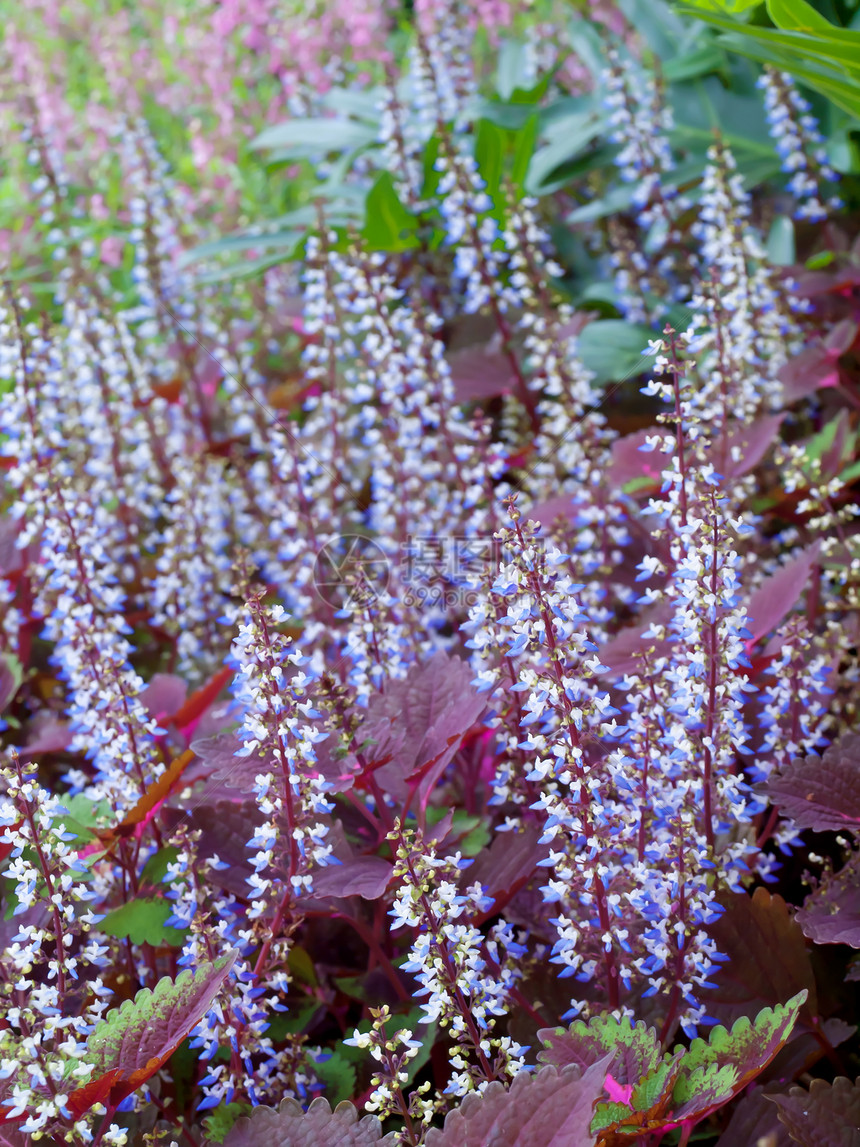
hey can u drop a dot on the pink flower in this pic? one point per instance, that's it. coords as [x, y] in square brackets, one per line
[110, 251]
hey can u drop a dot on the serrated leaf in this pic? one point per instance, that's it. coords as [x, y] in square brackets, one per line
[338, 1075]
[753, 1120]
[714, 1070]
[133, 1041]
[433, 707]
[221, 1119]
[767, 959]
[155, 869]
[289, 1126]
[822, 793]
[549, 1109]
[635, 1048]
[825, 1116]
[143, 922]
[831, 914]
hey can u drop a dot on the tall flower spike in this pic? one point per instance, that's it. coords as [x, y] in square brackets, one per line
[800, 145]
[447, 958]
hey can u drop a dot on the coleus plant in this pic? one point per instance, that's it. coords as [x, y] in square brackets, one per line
[444, 644]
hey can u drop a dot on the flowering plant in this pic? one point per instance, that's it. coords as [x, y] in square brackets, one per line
[429, 644]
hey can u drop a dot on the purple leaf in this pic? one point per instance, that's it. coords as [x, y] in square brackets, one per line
[778, 594]
[822, 793]
[805, 1049]
[635, 1048]
[755, 1119]
[164, 695]
[825, 1116]
[504, 867]
[630, 464]
[434, 706]
[225, 828]
[132, 1042]
[619, 653]
[10, 1136]
[549, 1109]
[46, 733]
[289, 1126]
[365, 876]
[831, 914]
[11, 558]
[561, 506]
[767, 958]
[481, 372]
[816, 367]
[227, 776]
[752, 441]
[717, 1069]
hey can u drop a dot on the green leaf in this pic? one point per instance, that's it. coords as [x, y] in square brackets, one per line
[512, 69]
[713, 1071]
[155, 869]
[489, 155]
[221, 1120]
[524, 147]
[11, 676]
[733, 7]
[304, 138]
[388, 225]
[780, 242]
[133, 1041]
[567, 137]
[338, 1075]
[143, 922]
[612, 349]
[820, 54]
[702, 60]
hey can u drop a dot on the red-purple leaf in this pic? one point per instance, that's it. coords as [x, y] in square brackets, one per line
[816, 367]
[225, 828]
[635, 1048]
[289, 1126]
[718, 1069]
[549, 1109]
[133, 1041]
[831, 914]
[628, 463]
[164, 695]
[434, 705]
[481, 372]
[619, 653]
[561, 506]
[750, 442]
[778, 594]
[504, 867]
[227, 776]
[825, 1116]
[11, 558]
[822, 793]
[365, 876]
[46, 733]
[10, 1136]
[767, 958]
[754, 1120]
